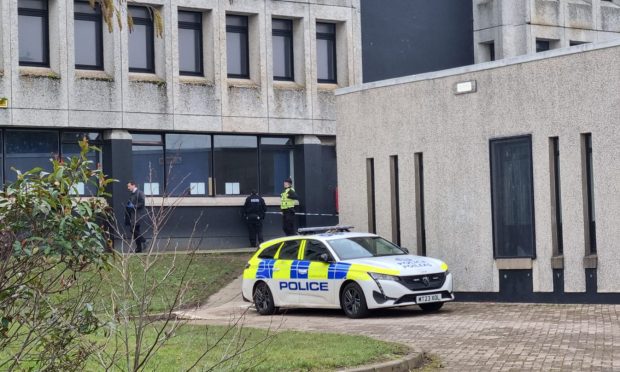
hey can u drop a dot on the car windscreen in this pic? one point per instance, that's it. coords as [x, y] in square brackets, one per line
[361, 247]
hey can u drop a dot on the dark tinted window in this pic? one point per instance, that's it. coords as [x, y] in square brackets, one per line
[71, 148]
[276, 163]
[314, 249]
[148, 163]
[326, 52]
[88, 36]
[188, 162]
[542, 45]
[269, 252]
[235, 164]
[141, 41]
[237, 54]
[33, 33]
[512, 197]
[289, 250]
[282, 42]
[26, 150]
[190, 43]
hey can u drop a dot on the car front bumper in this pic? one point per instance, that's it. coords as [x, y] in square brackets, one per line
[386, 293]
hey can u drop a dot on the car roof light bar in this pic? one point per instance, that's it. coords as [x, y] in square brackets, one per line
[324, 229]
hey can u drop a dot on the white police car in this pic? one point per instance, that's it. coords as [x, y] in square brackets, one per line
[334, 268]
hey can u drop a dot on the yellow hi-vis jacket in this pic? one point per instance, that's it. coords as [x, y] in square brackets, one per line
[285, 201]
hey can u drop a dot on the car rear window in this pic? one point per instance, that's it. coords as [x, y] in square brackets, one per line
[270, 252]
[289, 250]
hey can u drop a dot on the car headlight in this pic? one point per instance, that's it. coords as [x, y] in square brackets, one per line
[377, 276]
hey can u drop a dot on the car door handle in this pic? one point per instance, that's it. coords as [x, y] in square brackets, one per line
[302, 271]
[276, 269]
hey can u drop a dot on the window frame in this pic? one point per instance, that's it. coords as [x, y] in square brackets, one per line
[44, 15]
[244, 30]
[195, 26]
[329, 37]
[150, 27]
[97, 19]
[527, 137]
[291, 50]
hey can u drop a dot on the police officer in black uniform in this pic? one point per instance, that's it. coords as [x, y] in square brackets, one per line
[254, 212]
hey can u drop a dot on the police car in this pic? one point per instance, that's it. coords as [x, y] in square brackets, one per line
[331, 267]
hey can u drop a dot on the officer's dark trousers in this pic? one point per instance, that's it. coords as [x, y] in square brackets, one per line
[255, 229]
[288, 221]
[137, 237]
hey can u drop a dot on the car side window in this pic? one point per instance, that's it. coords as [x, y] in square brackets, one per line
[314, 249]
[289, 250]
[270, 252]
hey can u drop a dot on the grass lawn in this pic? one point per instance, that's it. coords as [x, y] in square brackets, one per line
[269, 351]
[206, 275]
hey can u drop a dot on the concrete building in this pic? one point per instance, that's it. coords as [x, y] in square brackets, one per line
[507, 170]
[415, 36]
[504, 29]
[233, 96]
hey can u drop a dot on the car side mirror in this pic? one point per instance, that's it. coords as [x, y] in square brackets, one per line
[324, 257]
[406, 250]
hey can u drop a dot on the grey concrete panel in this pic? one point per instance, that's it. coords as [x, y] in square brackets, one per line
[560, 94]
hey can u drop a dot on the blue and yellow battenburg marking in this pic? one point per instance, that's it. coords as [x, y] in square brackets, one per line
[269, 269]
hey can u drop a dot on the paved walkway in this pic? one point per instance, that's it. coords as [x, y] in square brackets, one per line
[465, 336]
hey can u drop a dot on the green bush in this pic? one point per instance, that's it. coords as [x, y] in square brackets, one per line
[48, 236]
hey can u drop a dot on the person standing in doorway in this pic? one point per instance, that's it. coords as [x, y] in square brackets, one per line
[287, 205]
[254, 211]
[134, 213]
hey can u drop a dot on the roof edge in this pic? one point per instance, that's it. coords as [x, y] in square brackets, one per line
[481, 66]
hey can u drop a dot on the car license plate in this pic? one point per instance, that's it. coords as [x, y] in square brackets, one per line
[428, 298]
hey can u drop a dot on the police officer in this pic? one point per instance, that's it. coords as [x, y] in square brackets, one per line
[254, 211]
[134, 214]
[287, 205]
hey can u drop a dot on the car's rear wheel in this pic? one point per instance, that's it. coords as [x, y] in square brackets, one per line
[429, 308]
[263, 300]
[353, 302]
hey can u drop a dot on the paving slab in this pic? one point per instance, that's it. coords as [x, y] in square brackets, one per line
[465, 336]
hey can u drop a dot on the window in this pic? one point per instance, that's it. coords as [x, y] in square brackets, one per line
[395, 199]
[419, 204]
[269, 253]
[574, 42]
[237, 49]
[235, 164]
[488, 50]
[33, 20]
[88, 36]
[314, 249]
[148, 163]
[512, 197]
[370, 195]
[276, 163]
[190, 43]
[326, 52]
[289, 250]
[590, 220]
[556, 197]
[141, 41]
[188, 162]
[282, 34]
[542, 45]
[361, 247]
[70, 148]
[28, 149]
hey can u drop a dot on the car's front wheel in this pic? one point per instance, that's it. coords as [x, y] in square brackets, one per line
[353, 302]
[429, 308]
[263, 300]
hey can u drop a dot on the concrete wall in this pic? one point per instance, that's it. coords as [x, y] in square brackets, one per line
[514, 25]
[562, 93]
[113, 99]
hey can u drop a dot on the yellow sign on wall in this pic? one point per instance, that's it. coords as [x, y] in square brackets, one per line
[4, 102]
